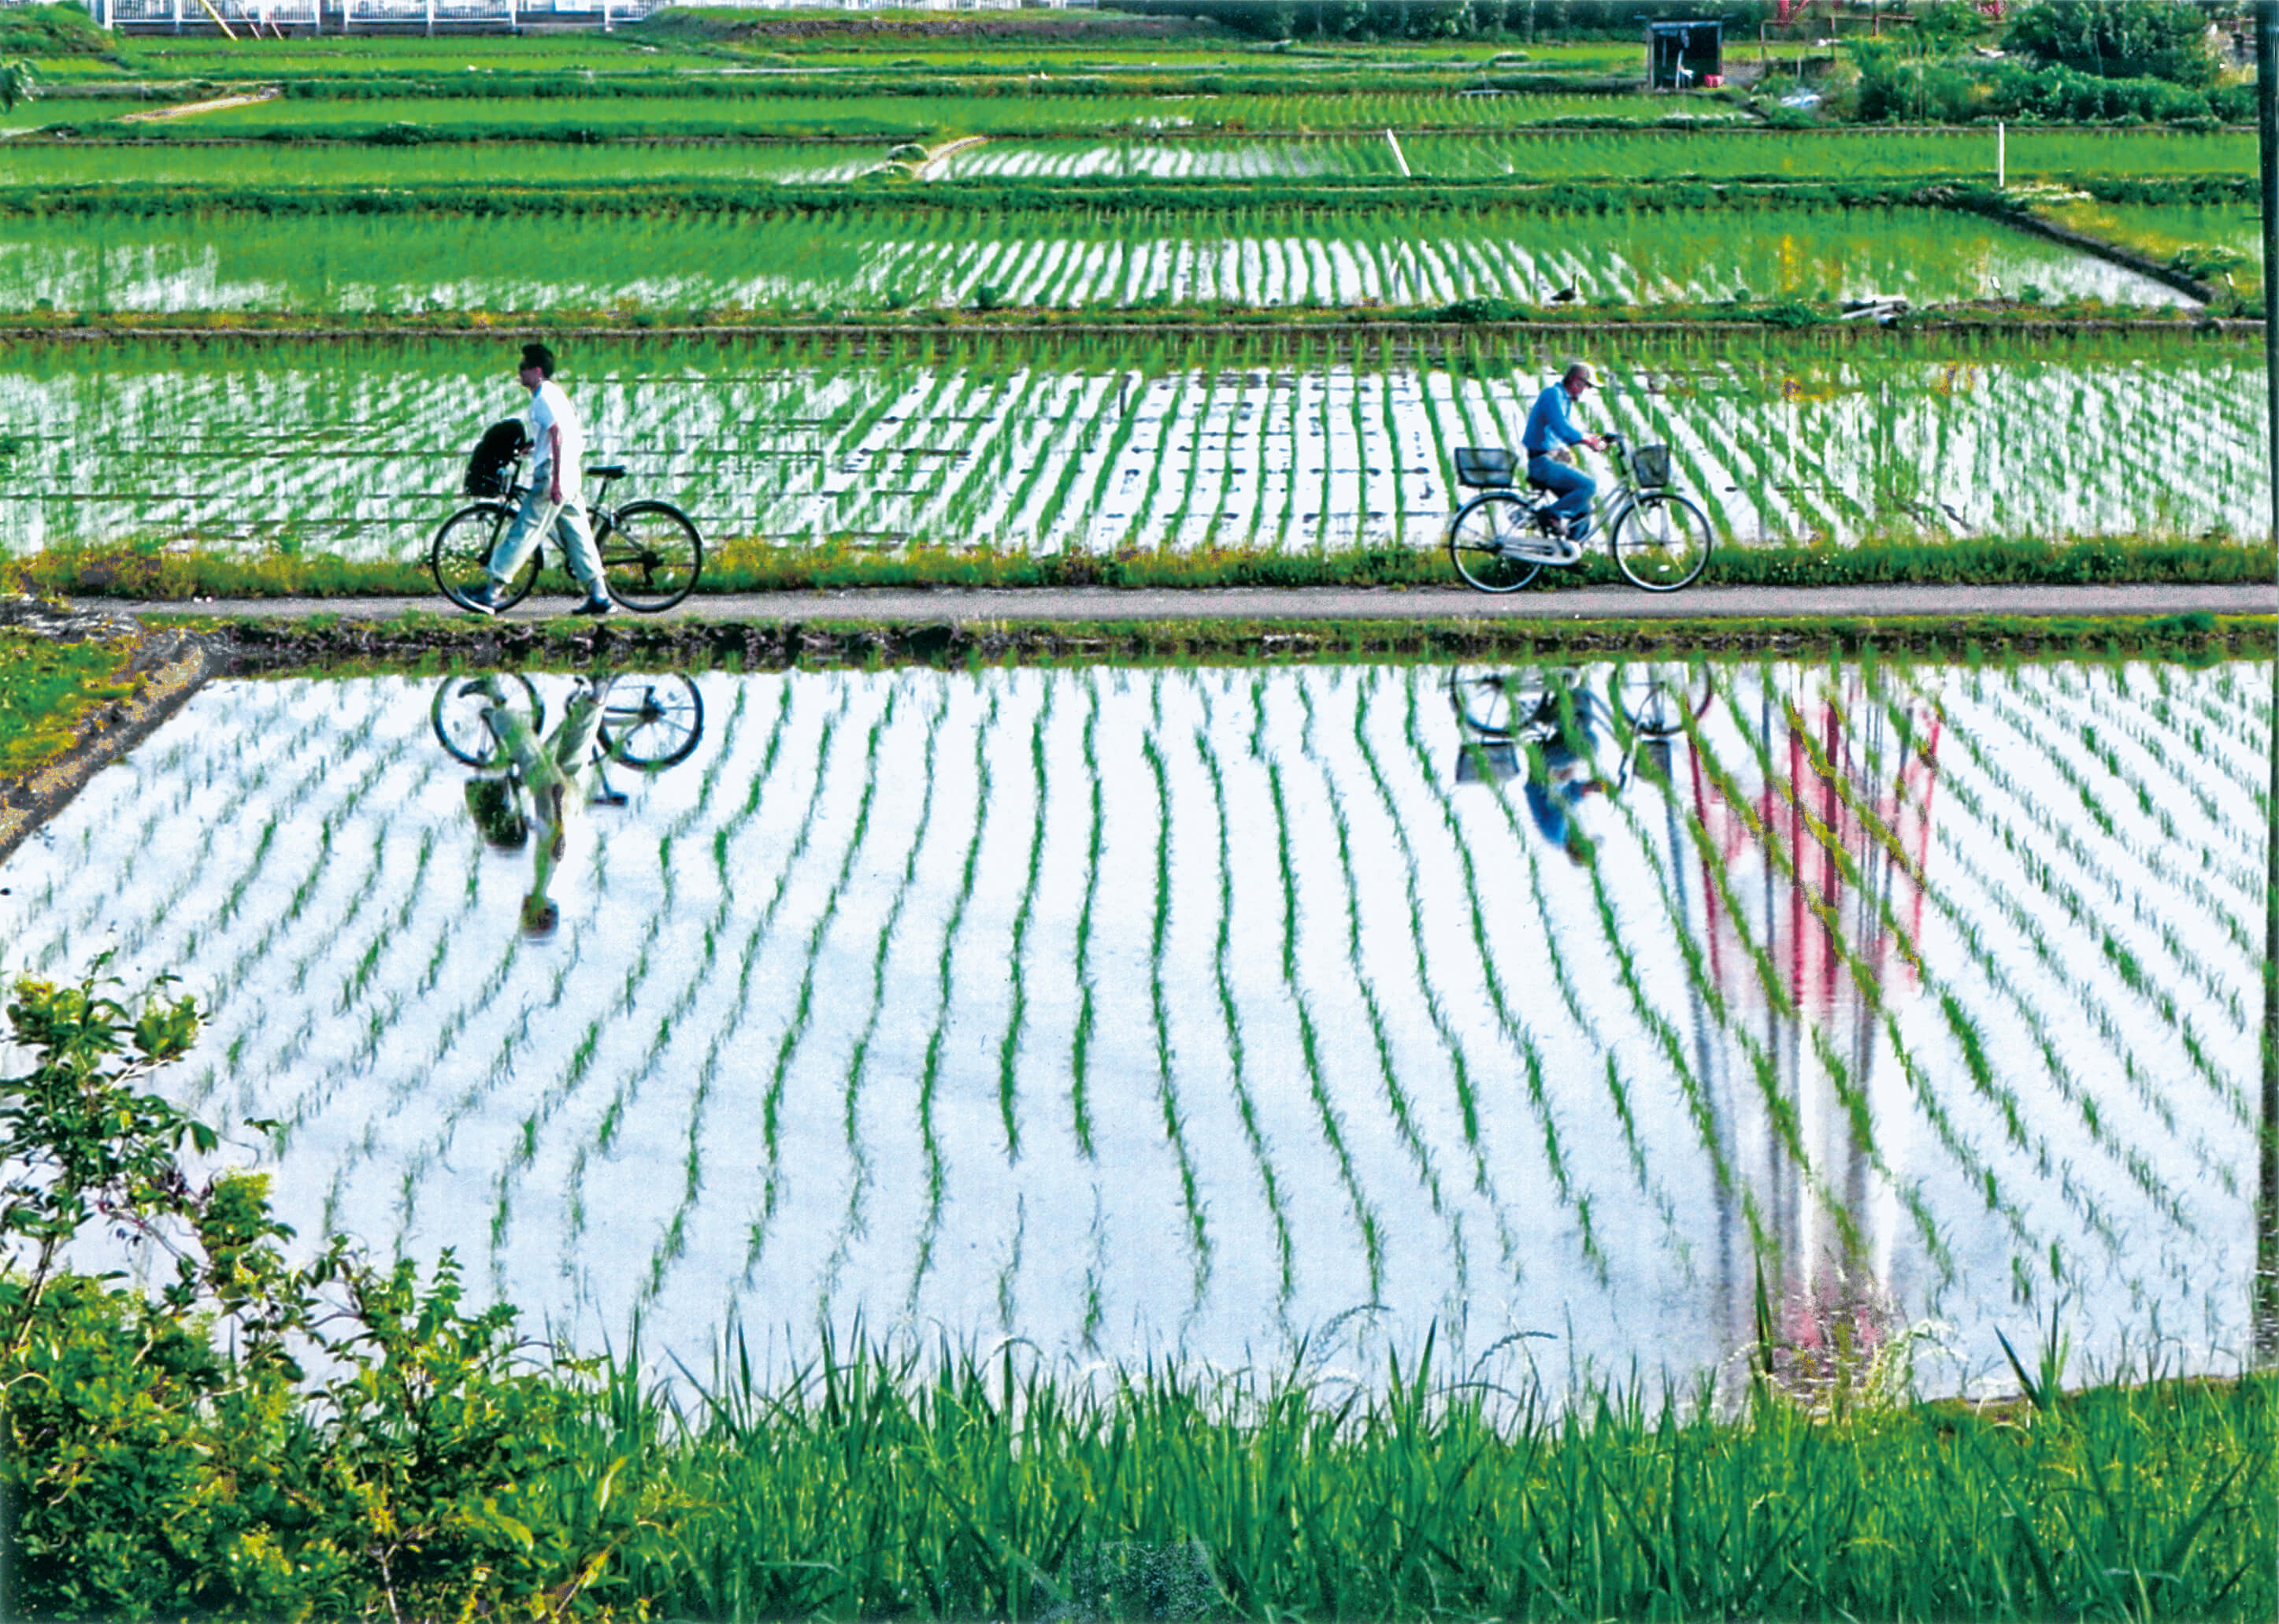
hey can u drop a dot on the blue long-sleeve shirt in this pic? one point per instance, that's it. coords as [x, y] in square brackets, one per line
[1548, 425]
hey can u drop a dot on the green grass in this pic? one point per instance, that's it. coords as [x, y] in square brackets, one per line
[46, 688]
[176, 574]
[996, 1489]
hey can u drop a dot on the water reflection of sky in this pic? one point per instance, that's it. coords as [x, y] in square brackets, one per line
[1137, 1011]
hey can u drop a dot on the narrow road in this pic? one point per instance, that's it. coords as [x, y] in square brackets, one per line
[908, 605]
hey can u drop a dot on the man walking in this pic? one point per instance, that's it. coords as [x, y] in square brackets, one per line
[556, 500]
[1549, 428]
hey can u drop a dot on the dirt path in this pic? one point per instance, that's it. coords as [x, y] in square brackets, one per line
[267, 93]
[900, 606]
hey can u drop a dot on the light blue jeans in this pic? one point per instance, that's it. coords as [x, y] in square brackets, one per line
[1575, 491]
[571, 534]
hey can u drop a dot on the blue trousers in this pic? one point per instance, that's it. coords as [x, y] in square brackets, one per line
[1574, 488]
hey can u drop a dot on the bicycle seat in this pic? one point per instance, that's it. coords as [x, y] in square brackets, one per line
[607, 471]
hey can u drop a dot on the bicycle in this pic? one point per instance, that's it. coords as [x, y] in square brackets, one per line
[1502, 714]
[1501, 539]
[651, 553]
[647, 723]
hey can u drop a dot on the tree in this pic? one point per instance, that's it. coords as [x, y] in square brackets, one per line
[2120, 39]
[167, 1454]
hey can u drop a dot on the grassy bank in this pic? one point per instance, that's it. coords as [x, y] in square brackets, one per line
[46, 688]
[423, 642]
[156, 571]
[988, 1490]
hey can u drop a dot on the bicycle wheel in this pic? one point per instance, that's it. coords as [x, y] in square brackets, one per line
[1657, 695]
[1662, 542]
[650, 556]
[457, 712]
[651, 723]
[459, 557]
[1477, 536]
[1496, 704]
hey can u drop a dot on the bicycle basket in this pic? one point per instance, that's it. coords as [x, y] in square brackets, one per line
[490, 464]
[1652, 463]
[1483, 465]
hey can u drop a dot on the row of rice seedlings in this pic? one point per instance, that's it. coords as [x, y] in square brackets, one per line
[855, 1225]
[802, 1006]
[2165, 725]
[1658, 1024]
[1780, 1109]
[1514, 1030]
[1992, 971]
[1961, 1023]
[1397, 1102]
[1222, 984]
[1364, 1215]
[1080, 1043]
[930, 1070]
[1781, 861]
[2215, 910]
[478, 1002]
[1435, 1009]
[727, 881]
[1200, 1246]
[761, 461]
[2151, 802]
[1309, 254]
[1008, 1049]
[2224, 996]
[630, 1082]
[2142, 1082]
[2148, 855]
[2098, 919]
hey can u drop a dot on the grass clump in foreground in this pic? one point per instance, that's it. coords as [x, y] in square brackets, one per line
[266, 1437]
[157, 570]
[45, 687]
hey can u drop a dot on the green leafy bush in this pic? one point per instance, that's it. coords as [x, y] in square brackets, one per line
[172, 1452]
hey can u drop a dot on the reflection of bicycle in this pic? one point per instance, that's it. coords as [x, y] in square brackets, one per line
[1503, 713]
[647, 723]
[651, 554]
[1502, 538]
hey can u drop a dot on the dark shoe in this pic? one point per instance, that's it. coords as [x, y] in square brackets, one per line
[596, 607]
[482, 600]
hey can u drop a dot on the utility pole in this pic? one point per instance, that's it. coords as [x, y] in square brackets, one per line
[2264, 1310]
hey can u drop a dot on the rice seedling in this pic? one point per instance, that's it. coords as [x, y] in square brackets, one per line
[1200, 1245]
[1364, 1215]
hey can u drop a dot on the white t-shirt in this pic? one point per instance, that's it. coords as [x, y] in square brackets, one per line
[551, 408]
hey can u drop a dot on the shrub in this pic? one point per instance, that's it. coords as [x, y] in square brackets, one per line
[150, 1471]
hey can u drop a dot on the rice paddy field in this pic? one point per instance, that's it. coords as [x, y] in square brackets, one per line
[885, 259]
[1050, 445]
[1190, 1013]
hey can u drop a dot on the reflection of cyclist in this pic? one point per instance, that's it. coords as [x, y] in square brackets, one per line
[1561, 772]
[1551, 428]
[557, 776]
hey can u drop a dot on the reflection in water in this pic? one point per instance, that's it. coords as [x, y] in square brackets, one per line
[1169, 1011]
[534, 788]
[1797, 870]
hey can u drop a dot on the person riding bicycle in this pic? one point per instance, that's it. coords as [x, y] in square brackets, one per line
[556, 500]
[1562, 770]
[1551, 428]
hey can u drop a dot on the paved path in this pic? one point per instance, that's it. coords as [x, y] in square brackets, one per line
[919, 607]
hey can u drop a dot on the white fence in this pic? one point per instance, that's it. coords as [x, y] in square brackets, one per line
[395, 15]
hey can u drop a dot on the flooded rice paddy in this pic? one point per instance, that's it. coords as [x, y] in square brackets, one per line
[890, 259]
[357, 447]
[1196, 1013]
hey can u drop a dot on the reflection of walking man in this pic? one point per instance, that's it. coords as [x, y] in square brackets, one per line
[556, 500]
[557, 774]
[1550, 427]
